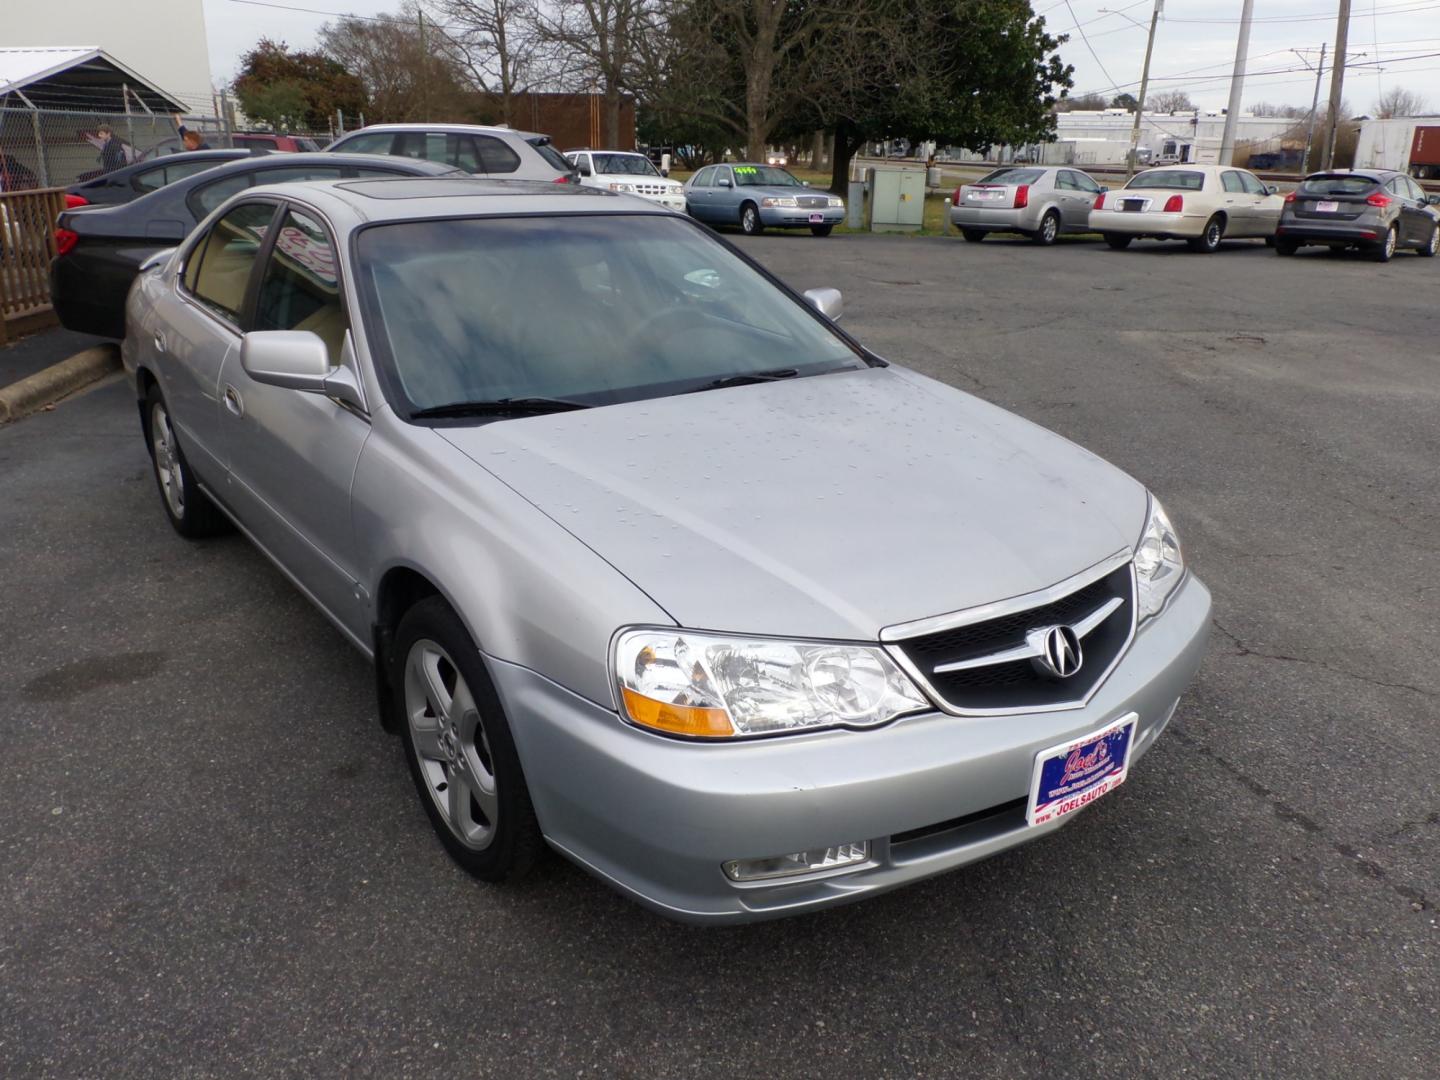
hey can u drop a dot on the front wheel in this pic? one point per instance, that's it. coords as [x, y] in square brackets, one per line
[1049, 229]
[1209, 240]
[821, 230]
[750, 223]
[461, 753]
[1385, 250]
[1117, 242]
[189, 509]
[1428, 250]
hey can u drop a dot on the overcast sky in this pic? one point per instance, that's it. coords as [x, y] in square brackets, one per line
[1194, 46]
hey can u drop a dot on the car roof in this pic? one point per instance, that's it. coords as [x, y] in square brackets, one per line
[1368, 174]
[489, 129]
[405, 198]
[331, 158]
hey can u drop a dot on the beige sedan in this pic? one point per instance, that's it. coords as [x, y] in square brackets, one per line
[1200, 204]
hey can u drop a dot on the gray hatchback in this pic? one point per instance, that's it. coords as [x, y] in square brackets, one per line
[687, 584]
[1376, 210]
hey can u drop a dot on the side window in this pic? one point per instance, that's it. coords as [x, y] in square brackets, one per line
[187, 168]
[704, 177]
[377, 142]
[150, 179]
[1085, 184]
[1232, 182]
[409, 144]
[1252, 185]
[722, 172]
[1416, 191]
[192, 263]
[291, 173]
[223, 271]
[1067, 180]
[300, 289]
[495, 156]
[204, 199]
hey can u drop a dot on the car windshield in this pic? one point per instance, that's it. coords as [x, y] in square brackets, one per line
[763, 176]
[465, 311]
[1013, 176]
[1338, 185]
[1169, 179]
[628, 164]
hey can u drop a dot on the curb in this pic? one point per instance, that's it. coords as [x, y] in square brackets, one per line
[55, 382]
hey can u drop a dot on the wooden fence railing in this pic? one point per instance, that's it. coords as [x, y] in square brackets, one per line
[27, 244]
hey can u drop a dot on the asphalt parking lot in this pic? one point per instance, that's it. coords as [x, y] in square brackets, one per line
[212, 863]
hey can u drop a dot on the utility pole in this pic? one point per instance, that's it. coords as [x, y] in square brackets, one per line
[1237, 86]
[1337, 84]
[424, 69]
[1314, 111]
[1144, 85]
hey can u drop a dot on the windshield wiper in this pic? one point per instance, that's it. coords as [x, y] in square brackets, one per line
[513, 406]
[748, 378]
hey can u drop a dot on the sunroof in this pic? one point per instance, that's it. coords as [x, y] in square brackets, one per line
[450, 187]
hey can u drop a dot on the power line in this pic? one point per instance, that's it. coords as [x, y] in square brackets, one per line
[1087, 41]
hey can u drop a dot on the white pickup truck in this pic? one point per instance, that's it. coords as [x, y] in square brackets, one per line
[631, 173]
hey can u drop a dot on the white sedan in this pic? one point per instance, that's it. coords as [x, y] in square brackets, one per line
[1200, 204]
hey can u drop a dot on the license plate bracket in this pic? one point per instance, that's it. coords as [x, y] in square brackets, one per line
[1326, 206]
[1070, 776]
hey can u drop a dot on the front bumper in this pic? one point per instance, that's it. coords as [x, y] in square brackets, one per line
[1323, 232]
[789, 217]
[1158, 224]
[656, 817]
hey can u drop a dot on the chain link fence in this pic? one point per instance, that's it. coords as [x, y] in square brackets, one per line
[42, 148]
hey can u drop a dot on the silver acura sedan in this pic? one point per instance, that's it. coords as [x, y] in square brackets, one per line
[656, 565]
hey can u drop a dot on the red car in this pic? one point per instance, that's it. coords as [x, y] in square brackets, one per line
[269, 140]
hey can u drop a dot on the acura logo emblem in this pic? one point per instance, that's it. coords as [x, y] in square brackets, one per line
[1060, 655]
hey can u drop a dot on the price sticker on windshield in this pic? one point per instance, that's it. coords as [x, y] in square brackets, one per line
[746, 170]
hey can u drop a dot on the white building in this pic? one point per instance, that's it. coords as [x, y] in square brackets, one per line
[163, 40]
[1102, 136]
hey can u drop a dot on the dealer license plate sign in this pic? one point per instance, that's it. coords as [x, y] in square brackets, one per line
[1072, 775]
[1325, 207]
[817, 219]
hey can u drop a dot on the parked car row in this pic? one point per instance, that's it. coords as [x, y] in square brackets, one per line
[1377, 211]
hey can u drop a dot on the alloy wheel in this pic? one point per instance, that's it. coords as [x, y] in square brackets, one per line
[1049, 229]
[167, 460]
[1390, 241]
[750, 220]
[450, 745]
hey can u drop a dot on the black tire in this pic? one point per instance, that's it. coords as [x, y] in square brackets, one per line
[1049, 229]
[1428, 250]
[821, 230]
[516, 844]
[1117, 242]
[973, 235]
[1286, 247]
[1384, 251]
[188, 508]
[1208, 242]
[750, 223]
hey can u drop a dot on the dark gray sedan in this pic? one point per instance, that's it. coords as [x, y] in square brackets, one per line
[1376, 210]
[759, 197]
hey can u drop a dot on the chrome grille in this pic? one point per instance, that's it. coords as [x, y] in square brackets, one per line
[992, 665]
[812, 202]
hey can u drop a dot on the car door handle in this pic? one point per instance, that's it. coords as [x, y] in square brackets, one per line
[159, 341]
[232, 400]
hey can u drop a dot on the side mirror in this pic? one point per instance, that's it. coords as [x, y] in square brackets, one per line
[294, 359]
[1272, 189]
[804, 183]
[724, 181]
[1433, 200]
[827, 302]
[1104, 190]
[585, 170]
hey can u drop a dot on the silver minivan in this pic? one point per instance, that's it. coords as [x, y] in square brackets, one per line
[687, 584]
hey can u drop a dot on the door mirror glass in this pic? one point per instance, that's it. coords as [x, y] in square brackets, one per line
[724, 181]
[1434, 200]
[295, 359]
[1103, 190]
[827, 302]
[586, 171]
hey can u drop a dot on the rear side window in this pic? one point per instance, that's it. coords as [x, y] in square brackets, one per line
[1169, 180]
[1337, 185]
[158, 178]
[496, 157]
[149, 180]
[376, 142]
[221, 271]
[704, 177]
[1013, 176]
[544, 149]
[205, 199]
[300, 289]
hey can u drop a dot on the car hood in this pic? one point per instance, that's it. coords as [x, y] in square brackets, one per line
[780, 191]
[632, 178]
[828, 506]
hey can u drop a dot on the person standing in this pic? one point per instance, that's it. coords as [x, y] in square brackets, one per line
[193, 140]
[112, 153]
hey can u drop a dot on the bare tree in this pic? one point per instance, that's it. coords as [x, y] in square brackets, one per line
[1170, 101]
[1085, 102]
[405, 78]
[1283, 112]
[495, 40]
[1397, 101]
[595, 44]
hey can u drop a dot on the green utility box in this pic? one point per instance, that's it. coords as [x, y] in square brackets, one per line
[897, 200]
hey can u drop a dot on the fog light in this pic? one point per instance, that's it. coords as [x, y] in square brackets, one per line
[799, 862]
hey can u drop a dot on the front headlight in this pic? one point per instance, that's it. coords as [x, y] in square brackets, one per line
[779, 200]
[835, 200]
[630, 188]
[1159, 564]
[721, 686]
